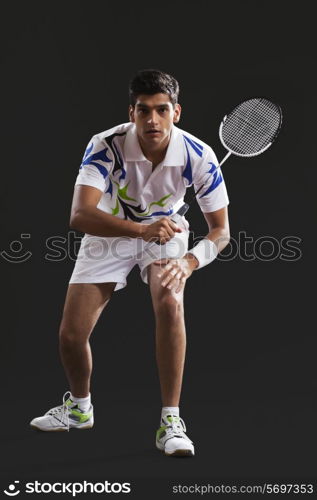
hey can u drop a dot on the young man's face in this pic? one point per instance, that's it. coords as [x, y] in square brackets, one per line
[154, 116]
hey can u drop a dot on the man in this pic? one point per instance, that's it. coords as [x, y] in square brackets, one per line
[132, 178]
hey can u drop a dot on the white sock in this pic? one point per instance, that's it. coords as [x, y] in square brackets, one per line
[169, 410]
[83, 403]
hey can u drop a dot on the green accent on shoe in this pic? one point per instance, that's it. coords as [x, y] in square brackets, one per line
[173, 419]
[69, 402]
[160, 431]
[83, 417]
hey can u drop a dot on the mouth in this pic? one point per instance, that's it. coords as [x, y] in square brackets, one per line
[153, 132]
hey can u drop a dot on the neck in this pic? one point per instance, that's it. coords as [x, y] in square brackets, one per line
[155, 155]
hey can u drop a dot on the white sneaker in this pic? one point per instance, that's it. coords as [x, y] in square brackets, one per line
[171, 437]
[64, 417]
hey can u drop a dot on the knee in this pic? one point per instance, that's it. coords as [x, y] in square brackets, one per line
[170, 307]
[71, 335]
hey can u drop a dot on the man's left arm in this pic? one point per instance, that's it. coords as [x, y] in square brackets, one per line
[218, 234]
[176, 271]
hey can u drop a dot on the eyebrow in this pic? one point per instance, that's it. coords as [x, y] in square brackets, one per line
[141, 105]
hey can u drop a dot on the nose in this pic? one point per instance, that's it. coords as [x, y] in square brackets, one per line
[152, 118]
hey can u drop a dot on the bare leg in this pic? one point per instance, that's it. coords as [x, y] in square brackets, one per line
[170, 338]
[83, 306]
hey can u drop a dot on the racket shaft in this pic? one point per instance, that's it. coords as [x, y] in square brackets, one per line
[224, 159]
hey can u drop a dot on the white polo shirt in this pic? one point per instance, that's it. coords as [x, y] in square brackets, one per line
[115, 164]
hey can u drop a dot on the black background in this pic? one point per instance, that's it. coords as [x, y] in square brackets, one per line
[249, 393]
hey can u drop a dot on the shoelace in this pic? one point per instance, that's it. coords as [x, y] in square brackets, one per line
[61, 413]
[177, 427]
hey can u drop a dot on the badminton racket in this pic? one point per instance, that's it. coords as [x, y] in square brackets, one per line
[247, 131]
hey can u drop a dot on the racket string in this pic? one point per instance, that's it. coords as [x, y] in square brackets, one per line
[251, 126]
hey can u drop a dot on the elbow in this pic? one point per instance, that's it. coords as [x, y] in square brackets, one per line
[75, 220]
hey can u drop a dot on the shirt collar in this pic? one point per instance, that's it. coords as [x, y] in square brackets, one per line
[174, 155]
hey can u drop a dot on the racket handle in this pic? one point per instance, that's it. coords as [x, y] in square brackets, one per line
[180, 212]
[178, 216]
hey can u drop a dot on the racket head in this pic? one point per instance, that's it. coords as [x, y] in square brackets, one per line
[251, 127]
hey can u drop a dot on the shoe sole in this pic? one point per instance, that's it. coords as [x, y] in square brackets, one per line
[177, 453]
[60, 429]
[180, 453]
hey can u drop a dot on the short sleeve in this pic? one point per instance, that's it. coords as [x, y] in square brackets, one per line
[96, 165]
[213, 196]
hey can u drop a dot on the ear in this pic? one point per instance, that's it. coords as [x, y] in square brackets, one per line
[177, 113]
[131, 113]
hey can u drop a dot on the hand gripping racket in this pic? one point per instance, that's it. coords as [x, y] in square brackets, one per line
[249, 130]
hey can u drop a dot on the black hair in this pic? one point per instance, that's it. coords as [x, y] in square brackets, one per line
[153, 81]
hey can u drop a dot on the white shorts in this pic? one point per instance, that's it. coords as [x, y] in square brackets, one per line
[104, 260]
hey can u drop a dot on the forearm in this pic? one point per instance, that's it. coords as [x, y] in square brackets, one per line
[219, 236]
[94, 221]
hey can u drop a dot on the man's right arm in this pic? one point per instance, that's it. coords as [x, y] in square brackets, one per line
[87, 218]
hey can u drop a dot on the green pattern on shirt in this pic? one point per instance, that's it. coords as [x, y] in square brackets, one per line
[123, 195]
